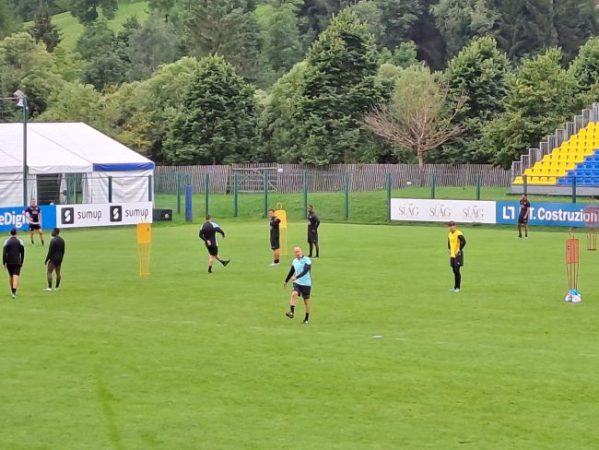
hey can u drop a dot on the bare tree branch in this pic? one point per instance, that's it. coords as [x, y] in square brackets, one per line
[416, 121]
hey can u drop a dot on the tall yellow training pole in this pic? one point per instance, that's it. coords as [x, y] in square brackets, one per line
[282, 215]
[144, 243]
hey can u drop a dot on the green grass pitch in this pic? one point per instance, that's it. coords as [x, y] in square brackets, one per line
[184, 360]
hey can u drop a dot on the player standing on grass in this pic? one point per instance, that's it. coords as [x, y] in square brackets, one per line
[456, 243]
[275, 237]
[313, 224]
[208, 235]
[54, 258]
[13, 256]
[300, 274]
[523, 216]
[34, 218]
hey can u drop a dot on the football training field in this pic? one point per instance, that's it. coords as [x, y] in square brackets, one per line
[391, 359]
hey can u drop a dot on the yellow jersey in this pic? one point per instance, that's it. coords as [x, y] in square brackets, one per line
[454, 242]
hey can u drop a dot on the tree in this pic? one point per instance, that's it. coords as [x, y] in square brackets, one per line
[105, 70]
[75, 102]
[585, 70]
[28, 66]
[412, 20]
[224, 27]
[216, 123]
[478, 74]
[540, 98]
[524, 27]
[461, 20]
[8, 22]
[280, 130]
[107, 61]
[43, 29]
[97, 39]
[315, 15]
[339, 87]
[155, 43]
[371, 15]
[575, 22]
[415, 118]
[25, 9]
[140, 113]
[281, 45]
[86, 11]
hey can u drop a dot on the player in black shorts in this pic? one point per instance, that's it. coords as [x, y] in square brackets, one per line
[13, 256]
[208, 235]
[523, 216]
[54, 258]
[33, 213]
[275, 237]
[313, 224]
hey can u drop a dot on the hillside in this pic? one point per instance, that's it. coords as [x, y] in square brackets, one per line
[71, 29]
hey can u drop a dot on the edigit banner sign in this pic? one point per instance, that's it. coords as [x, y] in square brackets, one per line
[15, 218]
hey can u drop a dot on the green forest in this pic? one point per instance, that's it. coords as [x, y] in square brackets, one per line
[305, 81]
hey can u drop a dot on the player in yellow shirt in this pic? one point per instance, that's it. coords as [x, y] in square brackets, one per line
[456, 243]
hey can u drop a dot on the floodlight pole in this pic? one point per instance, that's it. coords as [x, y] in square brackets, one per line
[24, 99]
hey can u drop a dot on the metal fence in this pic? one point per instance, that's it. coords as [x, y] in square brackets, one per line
[294, 178]
[341, 192]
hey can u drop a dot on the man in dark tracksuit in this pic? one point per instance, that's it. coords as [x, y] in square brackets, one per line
[208, 235]
[54, 258]
[313, 224]
[13, 256]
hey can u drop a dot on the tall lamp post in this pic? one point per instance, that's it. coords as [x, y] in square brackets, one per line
[22, 103]
[21, 100]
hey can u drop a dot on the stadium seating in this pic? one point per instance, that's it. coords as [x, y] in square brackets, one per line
[577, 157]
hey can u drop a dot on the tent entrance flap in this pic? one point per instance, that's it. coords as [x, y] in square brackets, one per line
[48, 188]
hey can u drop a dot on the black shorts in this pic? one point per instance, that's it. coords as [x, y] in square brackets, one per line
[313, 237]
[54, 265]
[212, 250]
[275, 242]
[522, 220]
[457, 262]
[13, 269]
[33, 227]
[303, 291]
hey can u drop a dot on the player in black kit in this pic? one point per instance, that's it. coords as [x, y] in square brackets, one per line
[34, 218]
[208, 235]
[313, 224]
[523, 216]
[13, 256]
[54, 258]
[275, 237]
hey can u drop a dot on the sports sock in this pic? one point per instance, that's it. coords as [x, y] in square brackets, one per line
[276, 261]
[13, 290]
[306, 317]
[292, 309]
[209, 269]
[42, 242]
[57, 282]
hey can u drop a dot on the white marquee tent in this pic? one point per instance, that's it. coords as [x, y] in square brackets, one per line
[65, 157]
